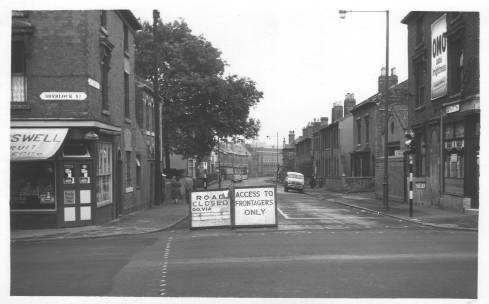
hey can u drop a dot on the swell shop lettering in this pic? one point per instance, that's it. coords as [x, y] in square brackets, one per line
[439, 58]
[35, 143]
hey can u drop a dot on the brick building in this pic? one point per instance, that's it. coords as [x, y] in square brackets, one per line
[335, 143]
[304, 150]
[80, 152]
[443, 58]
[288, 154]
[367, 158]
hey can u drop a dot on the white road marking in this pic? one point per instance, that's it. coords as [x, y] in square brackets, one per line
[166, 255]
[334, 257]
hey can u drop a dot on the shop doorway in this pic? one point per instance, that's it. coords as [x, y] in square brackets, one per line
[76, 193]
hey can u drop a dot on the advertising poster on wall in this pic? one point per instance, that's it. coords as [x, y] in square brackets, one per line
[439, 64]
[210, 209]
[255, 206]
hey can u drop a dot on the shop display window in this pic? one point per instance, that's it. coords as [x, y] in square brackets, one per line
[104, 174]
[32, 186]
[454, 151]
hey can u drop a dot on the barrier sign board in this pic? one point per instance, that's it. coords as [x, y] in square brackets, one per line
[210, 209]
[255, 206]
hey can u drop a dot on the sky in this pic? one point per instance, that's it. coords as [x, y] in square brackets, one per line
[301, 55]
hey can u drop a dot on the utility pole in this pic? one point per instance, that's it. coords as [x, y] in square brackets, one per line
[157, 116]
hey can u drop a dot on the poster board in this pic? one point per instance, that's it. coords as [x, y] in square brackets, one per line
[210, 208]
[255, 206]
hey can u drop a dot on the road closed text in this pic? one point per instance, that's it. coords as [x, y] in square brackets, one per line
[210, 209]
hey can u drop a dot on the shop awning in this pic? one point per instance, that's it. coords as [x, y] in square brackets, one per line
[35, 144]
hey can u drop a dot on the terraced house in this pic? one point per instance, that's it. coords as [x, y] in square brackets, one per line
[79, 154]
[443, 58]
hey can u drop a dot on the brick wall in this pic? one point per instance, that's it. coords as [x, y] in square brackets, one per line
[396, 178]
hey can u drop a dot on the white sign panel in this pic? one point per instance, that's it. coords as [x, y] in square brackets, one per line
[35, 144]
[63, 96]
[210, 209]
[439, 64]
[255, 206]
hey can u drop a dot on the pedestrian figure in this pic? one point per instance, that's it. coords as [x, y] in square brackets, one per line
[175, 188]
[313, 182]
[204, 179]
[188, 184]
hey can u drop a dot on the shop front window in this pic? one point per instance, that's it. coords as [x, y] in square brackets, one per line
[32, 186]
[104, 174]
[454, 151]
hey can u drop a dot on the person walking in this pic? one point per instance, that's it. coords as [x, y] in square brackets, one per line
[175, 188]
[188, 184]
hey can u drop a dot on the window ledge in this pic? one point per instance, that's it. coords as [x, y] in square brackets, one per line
[20, 106]
[106, 112]
[104, 203]
[457, 95]
[419, 108]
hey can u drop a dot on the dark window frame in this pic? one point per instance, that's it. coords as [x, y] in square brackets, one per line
[420, 77]
[127, 110]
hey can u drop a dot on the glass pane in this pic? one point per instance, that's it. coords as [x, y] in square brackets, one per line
[459, 130]
[32, 185]
[448, 131]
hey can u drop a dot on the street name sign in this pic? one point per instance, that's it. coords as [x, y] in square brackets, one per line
[255, 206]
[210, 209]
[63, 96]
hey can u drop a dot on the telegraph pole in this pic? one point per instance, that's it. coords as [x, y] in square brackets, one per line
[157, 116]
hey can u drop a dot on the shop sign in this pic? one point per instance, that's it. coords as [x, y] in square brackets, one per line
[452, 108]
[69, 197]
[35, 144]
[63, 96]
[84, 176]
[420, 185]
[453, 158]
[439, 65]
[399, 153]
[210, 209]
[94, 83]
[68, 175]
[255, 206]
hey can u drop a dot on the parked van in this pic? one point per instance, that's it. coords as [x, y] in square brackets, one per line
[295, 181]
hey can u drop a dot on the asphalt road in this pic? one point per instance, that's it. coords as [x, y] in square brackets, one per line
[319, 250]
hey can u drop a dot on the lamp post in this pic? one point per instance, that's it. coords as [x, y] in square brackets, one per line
[385, 184]
[278, 166]
[156, 17]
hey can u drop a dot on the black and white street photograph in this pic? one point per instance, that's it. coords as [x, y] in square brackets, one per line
[212, 151]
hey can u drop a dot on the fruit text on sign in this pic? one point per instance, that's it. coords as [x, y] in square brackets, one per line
[255, 206]
[210, 209]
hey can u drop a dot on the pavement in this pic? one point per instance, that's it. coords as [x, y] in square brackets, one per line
[165, 216]
[425, 215]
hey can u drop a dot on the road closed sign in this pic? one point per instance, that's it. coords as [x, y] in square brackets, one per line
[255, 206]
[210, 209]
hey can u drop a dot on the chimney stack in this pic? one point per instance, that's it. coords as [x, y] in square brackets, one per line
[336, 112]
[324, 121]
[383, 79]
[349, 102]
[291, 138]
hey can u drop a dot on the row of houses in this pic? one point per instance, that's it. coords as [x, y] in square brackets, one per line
[439, 102]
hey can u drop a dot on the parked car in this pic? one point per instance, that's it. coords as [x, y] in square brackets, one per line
[294, 181]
